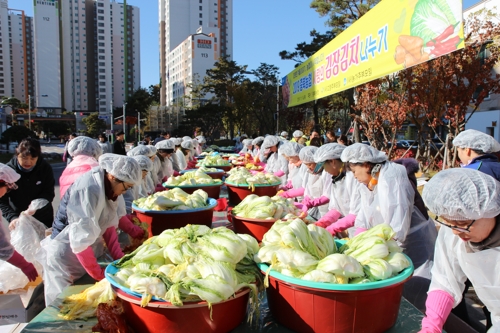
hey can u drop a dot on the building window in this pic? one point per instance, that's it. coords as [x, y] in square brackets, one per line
[201, 22]
[201, 15]
[201, 8]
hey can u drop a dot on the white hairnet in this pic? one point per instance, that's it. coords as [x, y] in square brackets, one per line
[195, 143]
[186, 138]
[187, 144]
[165, 144]
[257, 140]
[270, 141]
[329, 151]
[306, 154]
[297, 134]
[290, 149]
[247, 142]
[360, 153]
[153, 149]
[476, 140]
[82, 145]
[462, 194]
[124, 168]
[144, 162]
[178, 141]
[284, 133]
[7, 174]
[141, 150]
[201, 139]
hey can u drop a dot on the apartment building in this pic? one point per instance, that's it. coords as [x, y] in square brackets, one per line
[194, 34]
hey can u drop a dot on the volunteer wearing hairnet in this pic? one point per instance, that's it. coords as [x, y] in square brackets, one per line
[296, 171]
[91, 215]
[284, 136]
[296, 136]
[276, 163]
[150, 152]
[340, 190]
[181, 158]
[247, 146]
[8, 179]
[312, 184]
[468, 244]
[388, 197]
[197, 147]
[187, 150]
[174, 157]
[85, 152]
[139, 191]
[165, 151]
[475, 151]
[257, 143]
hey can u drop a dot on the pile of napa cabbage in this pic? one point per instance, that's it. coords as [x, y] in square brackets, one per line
[190, 264]
[242, 176]
[197, 177]
[309, 252]
[174, 199]
[213, 160]
[266, 208]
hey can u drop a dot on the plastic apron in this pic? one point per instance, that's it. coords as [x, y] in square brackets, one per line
[454, 264]
[275, 163]
[156, 169]
[181, 159]
[313, 188]
[295, 174]
[392, 202]
[175, 162]
[89, 215]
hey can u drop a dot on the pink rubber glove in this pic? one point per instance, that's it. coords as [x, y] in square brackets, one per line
[293, 193]
[437, 308]
[279, 173]
[111, 238]
[309, 202]
[288, 185]
[359, 231]
[28, 269]
[127, 225]
[331, 217]
[301, 206]
[89, 262]
[344, 223]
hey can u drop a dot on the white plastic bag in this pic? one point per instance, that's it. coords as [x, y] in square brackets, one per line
[26, 239]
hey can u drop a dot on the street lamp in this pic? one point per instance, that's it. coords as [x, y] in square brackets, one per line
[112, 120]
[29, 108]
[123, 119]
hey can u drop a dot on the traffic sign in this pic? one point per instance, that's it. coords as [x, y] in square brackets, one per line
[103, 117]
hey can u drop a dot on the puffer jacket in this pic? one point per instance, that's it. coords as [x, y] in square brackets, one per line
[78, 167]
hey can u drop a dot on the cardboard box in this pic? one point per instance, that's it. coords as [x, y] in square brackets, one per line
[12, 309]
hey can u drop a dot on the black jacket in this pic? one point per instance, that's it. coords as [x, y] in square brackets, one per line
[35, 184]
[119, 147]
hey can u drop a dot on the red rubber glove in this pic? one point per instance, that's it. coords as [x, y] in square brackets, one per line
[165, 179]
[28, 269]
[279, 173]
[111, 238]
[293, 193]
[310, 203]
[331, 217]
[158, 188]
[359, 231]
[342, 224]
[127, 225]
[176, 173]
[89, 262]
[437, 309]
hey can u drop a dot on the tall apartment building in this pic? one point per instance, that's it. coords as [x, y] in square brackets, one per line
[17, 77]
[87, 54]
[193, 35]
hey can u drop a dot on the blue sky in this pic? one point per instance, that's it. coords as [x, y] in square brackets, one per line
[261, 29]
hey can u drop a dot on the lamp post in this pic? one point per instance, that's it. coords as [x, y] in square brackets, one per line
[111, 120]
[29, 110]
[138, 126]
[277, 103]
[123, 120]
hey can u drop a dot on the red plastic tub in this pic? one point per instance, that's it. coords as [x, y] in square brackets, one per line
[213, 191]
[253, 227]
[312, 310]
[163, 317]
[162, 220]
[238, 193]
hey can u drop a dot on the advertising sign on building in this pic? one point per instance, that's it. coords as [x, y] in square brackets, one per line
[392, 36]
[204, 44]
